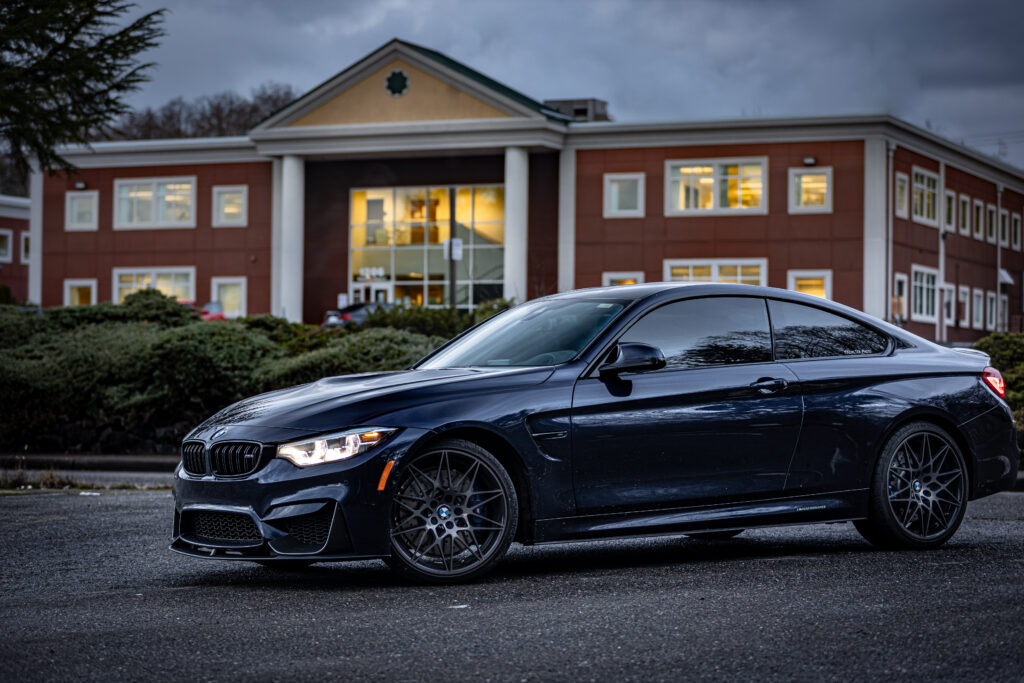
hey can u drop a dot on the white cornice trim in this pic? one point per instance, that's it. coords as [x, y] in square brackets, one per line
[15, 207]
[223, 150]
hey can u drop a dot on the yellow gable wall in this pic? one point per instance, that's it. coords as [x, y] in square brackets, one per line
[427, 99]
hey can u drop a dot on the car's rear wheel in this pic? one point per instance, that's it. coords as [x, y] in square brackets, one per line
[453, 515]
[918, 492]
[716, 535]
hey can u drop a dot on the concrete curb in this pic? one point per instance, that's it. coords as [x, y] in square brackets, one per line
[100, 463]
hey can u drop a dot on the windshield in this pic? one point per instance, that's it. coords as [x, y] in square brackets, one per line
[539, 333]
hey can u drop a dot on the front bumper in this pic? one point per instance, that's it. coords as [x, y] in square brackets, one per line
[282, 512]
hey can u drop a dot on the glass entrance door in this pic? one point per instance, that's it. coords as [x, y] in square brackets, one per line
[376, 292]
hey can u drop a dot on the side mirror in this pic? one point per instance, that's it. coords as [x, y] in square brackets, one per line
[633, 357]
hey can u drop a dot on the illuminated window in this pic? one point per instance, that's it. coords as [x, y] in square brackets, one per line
[926, 200]
[813, 282]
[175, 282]
[230, 293]
[735, 271]
[965, 215]
[810, 190]
[950, 211]
[979, 219]
[154, 203]
[924, 294]
[716, 186]
[79, 292]
[900, 287]
[963, 295]
[902, 196]
[6, 246]
[230, 206]
[620, 277]
[623, 195]
[81, 209]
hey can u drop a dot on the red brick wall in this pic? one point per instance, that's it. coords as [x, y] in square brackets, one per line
[814, 241]
[215, 252]
[15, 274]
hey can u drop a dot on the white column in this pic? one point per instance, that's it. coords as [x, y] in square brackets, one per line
[35, 238]
[517, 180]
[275, 236]
[566, 220]
[874, 270]
[293, 188]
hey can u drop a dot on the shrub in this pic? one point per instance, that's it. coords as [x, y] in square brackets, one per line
[439, 322]
[18, 325]
[487, 309]
[1007, 352]
[294, 338]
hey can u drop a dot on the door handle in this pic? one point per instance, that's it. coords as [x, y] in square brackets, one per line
[769, 385]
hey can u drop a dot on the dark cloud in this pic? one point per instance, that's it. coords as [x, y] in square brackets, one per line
[952, 65]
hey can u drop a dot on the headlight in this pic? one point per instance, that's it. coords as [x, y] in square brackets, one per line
[332, 447]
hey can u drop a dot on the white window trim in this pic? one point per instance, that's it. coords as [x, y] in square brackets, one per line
[950, 220]
[714, 163]
[924, 317]
[242, 222]
[715, 264]
[154, 271]
[990, 310]
[924, 220]
[897, 279]
[23, 256]
[977, 309]
[237, 280]
[609, 275]
[905, 211]
[805, 170]
[964, 300]
[1004, 313]
[609, 211]
[1003, 213]
[119, 225]
[978, 221]
[1015, 221]
[826, 274]
[994, 237]
[80, 282]
[948, 295]
[71, 226]
[964, 219]
[10, 246]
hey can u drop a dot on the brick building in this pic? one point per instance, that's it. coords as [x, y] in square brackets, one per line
[14, 245]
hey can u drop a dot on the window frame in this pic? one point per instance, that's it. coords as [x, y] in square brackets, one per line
[977, 308]
[904, 211]
[1003, 218]
[1015, 231]
[978, 219]
[825, 273]
[991, 224]
[796, 171]
[118, 224]
[1003, 323]
[232, 280]
[608, 211]
[964, 218]
[715, 163]
[924, 316]
[609, 275]
[24, 246]
[153, 271]
[91, 226]
[948, 299]
[931, 175]
[91, 283]
[964, 300]
[716, 264]
[949, 217]
[897, 280]
[215, 220]
[9, 233]
[990, 310]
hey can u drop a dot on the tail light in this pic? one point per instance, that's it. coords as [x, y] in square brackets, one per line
[346, 316]
[995, 381]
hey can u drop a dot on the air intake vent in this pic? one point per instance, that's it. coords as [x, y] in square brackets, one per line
[193, 457]
[234, 458]
[219, 527]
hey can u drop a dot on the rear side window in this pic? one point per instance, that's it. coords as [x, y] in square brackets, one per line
[711, 331]
[808, 332]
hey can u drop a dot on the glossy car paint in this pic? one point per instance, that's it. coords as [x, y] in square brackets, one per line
[659, 452]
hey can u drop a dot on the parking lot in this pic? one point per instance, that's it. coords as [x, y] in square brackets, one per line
[88, 590]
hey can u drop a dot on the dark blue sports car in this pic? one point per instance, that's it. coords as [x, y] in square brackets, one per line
[651, 409]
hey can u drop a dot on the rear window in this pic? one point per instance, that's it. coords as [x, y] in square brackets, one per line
[807, 332]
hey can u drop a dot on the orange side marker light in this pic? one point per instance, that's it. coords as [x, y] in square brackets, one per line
[384, 475]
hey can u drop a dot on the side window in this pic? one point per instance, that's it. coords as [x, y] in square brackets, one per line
[711, 331]
[807, 332]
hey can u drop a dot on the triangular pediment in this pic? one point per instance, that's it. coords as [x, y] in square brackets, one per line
[401, 82]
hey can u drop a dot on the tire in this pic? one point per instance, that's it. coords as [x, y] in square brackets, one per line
[453, 514]
[918, 492]
[716, 535]
[286, 565]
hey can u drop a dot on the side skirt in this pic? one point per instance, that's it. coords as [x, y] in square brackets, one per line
[831, 507]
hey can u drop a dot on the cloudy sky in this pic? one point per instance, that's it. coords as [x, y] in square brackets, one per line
[954, 66]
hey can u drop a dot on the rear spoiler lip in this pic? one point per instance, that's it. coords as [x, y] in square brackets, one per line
[975, 353]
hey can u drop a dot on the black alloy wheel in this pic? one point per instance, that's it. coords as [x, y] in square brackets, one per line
[919, 490]
[453, 515]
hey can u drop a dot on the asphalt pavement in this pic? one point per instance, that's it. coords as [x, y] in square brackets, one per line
[89, 591]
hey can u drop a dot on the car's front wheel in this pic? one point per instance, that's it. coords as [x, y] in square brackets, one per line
[453, 514]
[919, 490]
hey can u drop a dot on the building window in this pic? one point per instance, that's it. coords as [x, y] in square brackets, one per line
[900, 287]
[990, 311]
[902, 196]
[179, 282]
[230, 206]
[230, 293]
[397, 236]
[950, 211]
[1004, 312]
[24, 247]
[965, 215]
[977, 309]
[716, 186]
[154, 203]
[964, 298]
[623, 195]
[1015, 231]
[6, 246]
[990, 224]
[926, 197]
[735, 271]
[810, 190]
[81, 210]
[979, 219]
[948, 304]
[80, 292]
[924, 295]
[813, 282]
[621, 277]
[1004, 228]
